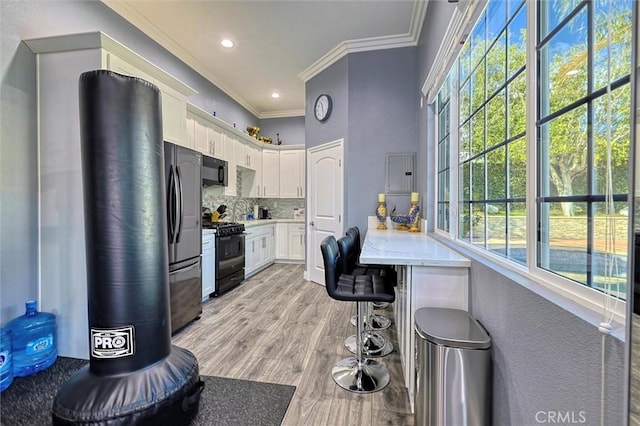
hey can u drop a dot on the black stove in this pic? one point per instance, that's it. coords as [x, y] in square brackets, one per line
[224, 228]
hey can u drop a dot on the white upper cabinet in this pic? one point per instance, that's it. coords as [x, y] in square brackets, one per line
[174, 114]
[292, 169]
[239, 154]
[216, 142]
[270, 173]
[256, 163]
[119, 65]
[248, 156]
[207, 135]
[266, 171]
[174, 104]
[200, 141]
[191, 130]
[254, 157]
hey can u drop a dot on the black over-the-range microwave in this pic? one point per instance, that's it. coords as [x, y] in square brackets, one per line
[214, 171]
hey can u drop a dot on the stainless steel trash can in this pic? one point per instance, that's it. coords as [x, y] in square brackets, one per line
[453, 369]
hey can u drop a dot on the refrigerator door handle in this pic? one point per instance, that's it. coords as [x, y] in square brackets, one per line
[186, 268]
[171, 205]
[180, 200]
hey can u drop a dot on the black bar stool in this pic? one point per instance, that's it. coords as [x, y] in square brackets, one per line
[354, 232]
[374, 343]
[354, 267]
[355, 374]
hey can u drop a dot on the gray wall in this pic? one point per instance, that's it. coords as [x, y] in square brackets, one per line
[334, 82]
[545, 358]
[27, 19]
[383, 117]
[374, 110]
[18, 176]
[291, 129]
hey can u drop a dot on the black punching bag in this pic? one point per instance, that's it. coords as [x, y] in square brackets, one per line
[135, 375]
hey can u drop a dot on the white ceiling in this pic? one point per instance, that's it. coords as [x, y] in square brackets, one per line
[279, 44]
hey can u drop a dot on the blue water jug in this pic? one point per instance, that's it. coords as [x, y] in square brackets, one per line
[33, 340]
[6, 364]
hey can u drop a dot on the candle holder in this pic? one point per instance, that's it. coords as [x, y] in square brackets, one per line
[381, 214]
[414, 215]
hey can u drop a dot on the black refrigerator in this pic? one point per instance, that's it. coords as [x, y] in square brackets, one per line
[183, 183]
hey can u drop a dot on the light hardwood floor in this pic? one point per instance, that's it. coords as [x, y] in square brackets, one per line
[278, 328]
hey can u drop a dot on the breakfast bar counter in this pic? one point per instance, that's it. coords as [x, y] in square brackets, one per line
[391, 247]
[429, 275]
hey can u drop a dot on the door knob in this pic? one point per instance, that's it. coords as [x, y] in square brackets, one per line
[311, 223]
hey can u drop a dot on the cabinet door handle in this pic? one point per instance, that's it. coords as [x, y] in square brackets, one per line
[264, 190]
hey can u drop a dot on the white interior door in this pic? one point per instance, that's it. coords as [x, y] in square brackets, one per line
[324, 202]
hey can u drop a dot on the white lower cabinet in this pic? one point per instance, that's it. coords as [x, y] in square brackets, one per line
[208, 265]
[282, 241]
[290, 241]
[259, 248]
[296, 241]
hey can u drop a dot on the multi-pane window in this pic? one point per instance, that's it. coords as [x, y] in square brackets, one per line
[580, 131]
[444, 117]
[581, 119]
[492, 145]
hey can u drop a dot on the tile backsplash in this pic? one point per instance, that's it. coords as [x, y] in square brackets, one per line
[238, 207]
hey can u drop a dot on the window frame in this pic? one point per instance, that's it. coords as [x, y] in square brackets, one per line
[452, 115]
[572, 292]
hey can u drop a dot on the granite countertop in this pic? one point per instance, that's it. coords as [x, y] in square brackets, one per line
[260, 222]
[391, 247]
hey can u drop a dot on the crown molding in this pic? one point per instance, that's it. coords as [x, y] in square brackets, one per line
[454, 38]
[126, 11]
[283, 114]
[372, 43]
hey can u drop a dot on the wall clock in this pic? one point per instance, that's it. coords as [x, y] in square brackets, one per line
[323, 107]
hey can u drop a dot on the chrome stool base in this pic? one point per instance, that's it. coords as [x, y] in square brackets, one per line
[380, 305]
[366, 377]
[376, 322]
[375, 345]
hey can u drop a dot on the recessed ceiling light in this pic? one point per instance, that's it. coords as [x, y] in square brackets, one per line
[275, 95]
[572, 72]
[227, 43]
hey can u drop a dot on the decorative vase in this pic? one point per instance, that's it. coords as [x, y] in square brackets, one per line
[381, 214]
[400, 219]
